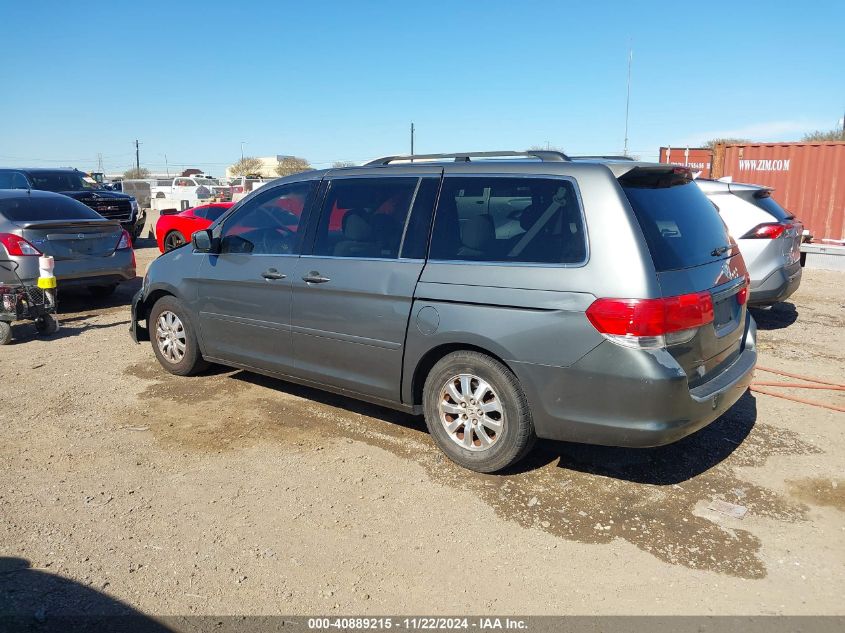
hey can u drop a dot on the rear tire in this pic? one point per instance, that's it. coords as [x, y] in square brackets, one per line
[477, 412]
[101, 292]
[5, 332]
[47, 324]
[173, 337]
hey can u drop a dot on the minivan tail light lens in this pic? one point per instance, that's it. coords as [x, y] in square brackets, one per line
[767, 231]
[16, 246]
[742, 295]
[650, 323]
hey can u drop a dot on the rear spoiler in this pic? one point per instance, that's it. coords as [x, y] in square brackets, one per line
[63, 224]
[169, 211]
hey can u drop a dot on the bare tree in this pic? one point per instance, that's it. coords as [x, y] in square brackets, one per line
[292, 165]
[713, 142]
[825, 135]
[246, 166]
[135, 173]
[344, 163]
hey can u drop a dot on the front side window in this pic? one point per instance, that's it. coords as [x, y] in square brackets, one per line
[270, 223]
[509, 220]
[364, 217]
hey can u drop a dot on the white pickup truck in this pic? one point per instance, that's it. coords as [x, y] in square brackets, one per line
[195, 189]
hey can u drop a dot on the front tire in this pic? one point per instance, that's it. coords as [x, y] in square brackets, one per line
[172, 240]
[174, 338]
[477, 412]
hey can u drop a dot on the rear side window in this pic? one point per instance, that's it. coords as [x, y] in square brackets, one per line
[764, 200]
[364, 217]
[681, 227]
[509, 220]
[34, 208]
[213, 213]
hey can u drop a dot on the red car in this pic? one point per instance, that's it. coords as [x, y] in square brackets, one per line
[175, 229]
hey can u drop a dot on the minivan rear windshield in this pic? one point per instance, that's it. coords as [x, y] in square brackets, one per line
[52, 208]
[681, 227]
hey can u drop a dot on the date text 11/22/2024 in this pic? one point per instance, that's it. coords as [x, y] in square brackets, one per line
[418, 623]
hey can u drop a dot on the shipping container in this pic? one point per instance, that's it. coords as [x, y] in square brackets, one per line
[808, 179]
[698, 159]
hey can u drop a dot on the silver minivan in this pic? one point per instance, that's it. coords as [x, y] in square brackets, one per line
[506, 296]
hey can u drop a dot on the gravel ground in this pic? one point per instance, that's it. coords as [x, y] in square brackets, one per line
[231, 493]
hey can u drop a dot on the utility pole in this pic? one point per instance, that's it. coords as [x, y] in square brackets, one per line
[242, 149]
[167, 166]
[100, 162]
[628, 98]
[137, 156]
[412, 140]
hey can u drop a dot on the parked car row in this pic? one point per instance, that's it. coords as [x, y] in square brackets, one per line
[75, 184]
[436, 286]
[89, 250]
[599, 301]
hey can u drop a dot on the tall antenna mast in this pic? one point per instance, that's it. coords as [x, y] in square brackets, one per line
[628, 97]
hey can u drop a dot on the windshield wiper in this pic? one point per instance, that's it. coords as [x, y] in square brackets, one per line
[720, 250]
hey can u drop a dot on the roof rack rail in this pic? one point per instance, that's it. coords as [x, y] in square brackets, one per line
[543, 155]
[602, 157]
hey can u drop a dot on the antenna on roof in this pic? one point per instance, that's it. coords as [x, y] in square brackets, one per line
[628, 96]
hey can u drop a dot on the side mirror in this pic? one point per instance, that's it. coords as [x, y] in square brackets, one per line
[203, 241]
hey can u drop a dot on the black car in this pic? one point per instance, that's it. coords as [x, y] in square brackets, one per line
[72, 182]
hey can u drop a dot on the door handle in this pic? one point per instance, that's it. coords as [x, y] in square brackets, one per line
[314, 278]
[272, 273]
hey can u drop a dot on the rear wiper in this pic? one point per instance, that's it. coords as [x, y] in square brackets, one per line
[720, 250]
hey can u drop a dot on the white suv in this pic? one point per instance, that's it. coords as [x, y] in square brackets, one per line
[768, 236]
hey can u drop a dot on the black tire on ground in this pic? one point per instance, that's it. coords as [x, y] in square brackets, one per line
[101, 292]
[5, 332]
[47, 324]
[172, 240]
[191, 362]
[517, 436]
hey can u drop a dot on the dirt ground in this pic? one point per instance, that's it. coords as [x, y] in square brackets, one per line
[232, 493]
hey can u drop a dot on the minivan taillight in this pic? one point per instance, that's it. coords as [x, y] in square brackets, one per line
[16, 246]
[767, 231]
[651, 323]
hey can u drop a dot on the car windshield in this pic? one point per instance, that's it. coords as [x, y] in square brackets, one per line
[63, 181]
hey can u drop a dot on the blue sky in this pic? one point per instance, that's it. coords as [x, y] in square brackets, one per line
[343, 80]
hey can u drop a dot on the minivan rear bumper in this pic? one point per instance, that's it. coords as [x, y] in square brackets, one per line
[615, 396]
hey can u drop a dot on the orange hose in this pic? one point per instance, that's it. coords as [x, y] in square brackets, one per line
[798, 376]
[797, 385]
[801, 400]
